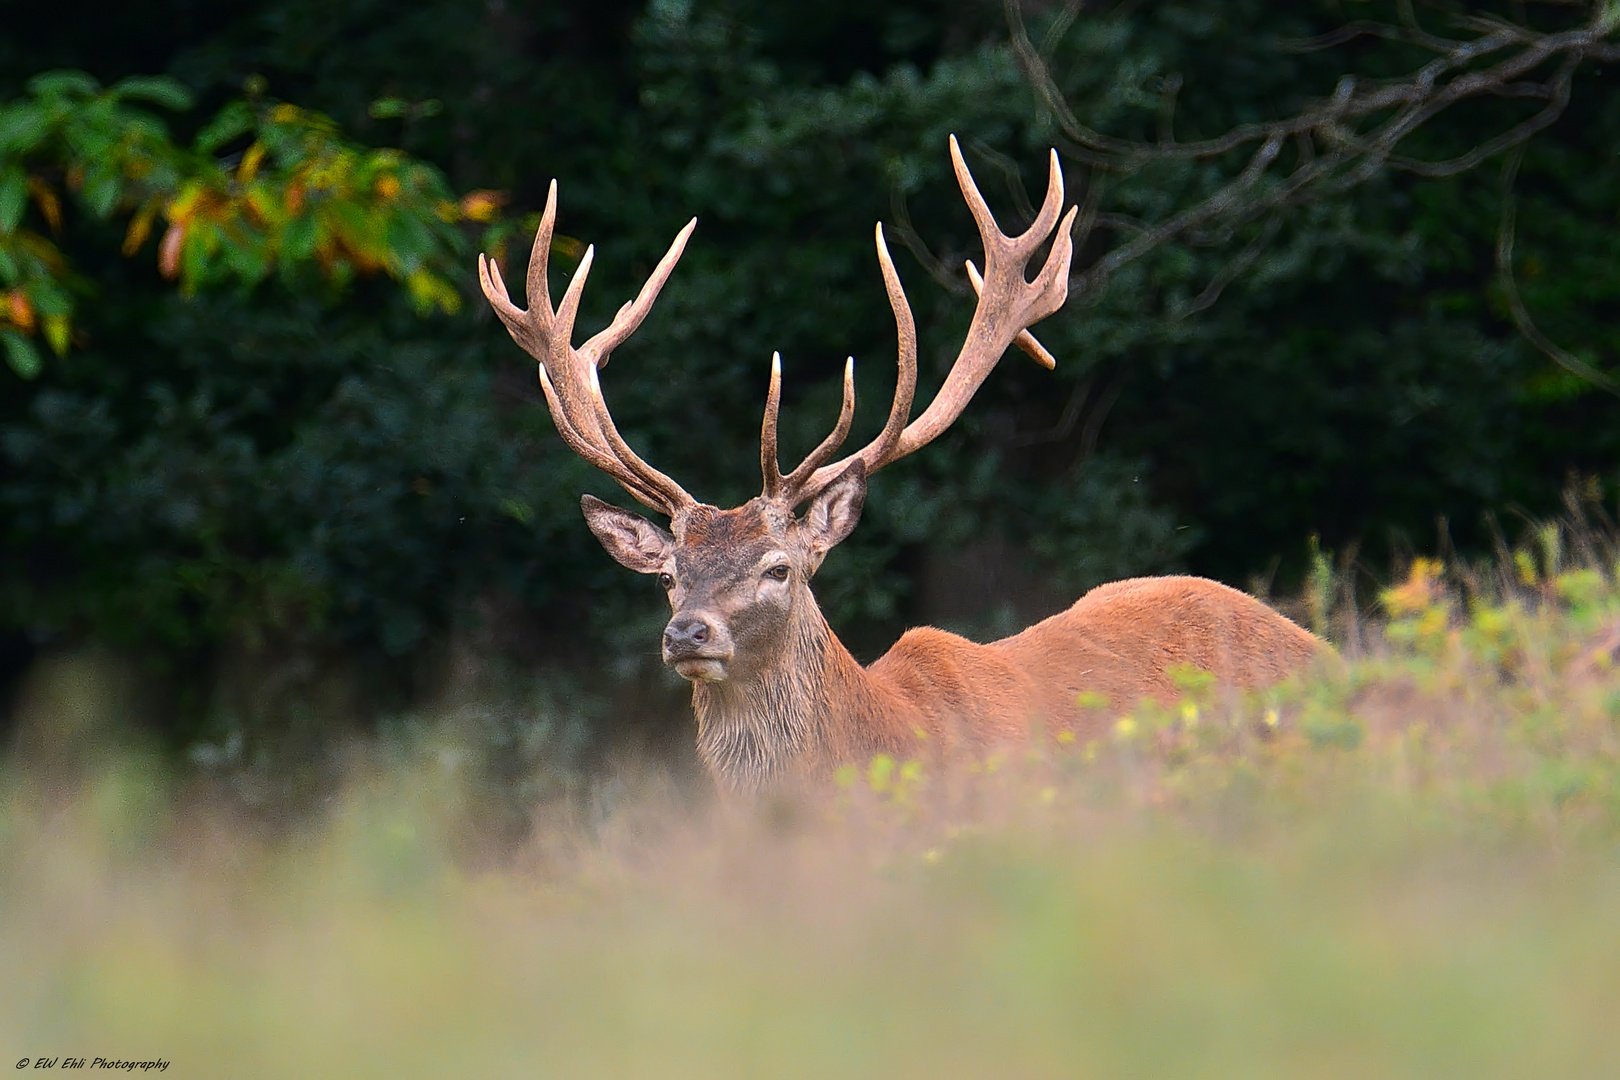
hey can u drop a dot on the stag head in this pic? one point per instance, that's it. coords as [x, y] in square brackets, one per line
[738, 579]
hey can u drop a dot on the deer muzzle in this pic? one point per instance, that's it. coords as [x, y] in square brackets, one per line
[697, 646]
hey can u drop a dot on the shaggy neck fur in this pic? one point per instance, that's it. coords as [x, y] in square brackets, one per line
[777, 723]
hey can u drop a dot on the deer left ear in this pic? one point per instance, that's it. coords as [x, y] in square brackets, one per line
[833, 514]
[631, 539]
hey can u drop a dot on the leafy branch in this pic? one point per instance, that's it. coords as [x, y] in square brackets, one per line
[266, 187]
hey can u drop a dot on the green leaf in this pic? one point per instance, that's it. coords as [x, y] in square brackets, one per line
[231, 122]
[100, 193]
[21, 354]
[23, 127]
[517, 510]
[299, 238]
[246, 261]
[63, 84]
[158, 89]
[13, 199]
[410, 242]
[50, 298]
[388, 108]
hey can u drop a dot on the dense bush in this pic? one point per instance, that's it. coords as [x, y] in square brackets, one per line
[281, 468]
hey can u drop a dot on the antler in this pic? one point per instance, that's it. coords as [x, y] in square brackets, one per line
[568, 375]
[1008, 306]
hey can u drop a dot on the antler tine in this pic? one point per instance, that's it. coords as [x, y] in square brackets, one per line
[829, 446]
[768, 463]
[567, 375]
[905, 331]
[1025, 340]
[905, 388]
[592, 454]
[600, 347]
[1008, 305]
[513, 317]
[675, 496]
[996, 241]
[1051, 206]
[568, 310]
[540, 255]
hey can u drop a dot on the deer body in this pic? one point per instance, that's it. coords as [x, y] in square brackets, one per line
[775, 692]
[938, 692]
[777, 695]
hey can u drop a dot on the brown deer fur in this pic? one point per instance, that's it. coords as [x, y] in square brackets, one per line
[775, 692]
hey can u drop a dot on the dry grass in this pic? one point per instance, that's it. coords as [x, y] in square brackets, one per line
[1401, 867]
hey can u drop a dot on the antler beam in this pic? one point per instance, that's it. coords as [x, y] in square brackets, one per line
[568, 375]
[1008, 306]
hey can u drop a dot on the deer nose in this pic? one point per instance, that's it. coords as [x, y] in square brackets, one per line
[686, 634]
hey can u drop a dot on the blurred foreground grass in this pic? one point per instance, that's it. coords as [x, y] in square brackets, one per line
[1402, 867]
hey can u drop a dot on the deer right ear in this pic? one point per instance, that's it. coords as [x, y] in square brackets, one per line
[630, 538]
[832, 515]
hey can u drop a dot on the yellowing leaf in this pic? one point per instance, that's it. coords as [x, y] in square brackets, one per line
[58, 333]
[174, 241]
[49, 205]
[429, 291]
[260, 205]
[140, 227]
[482, 206]
[251, 161]
[20, 311]
[183, 206]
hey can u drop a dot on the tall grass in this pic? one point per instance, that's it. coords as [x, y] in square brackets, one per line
[1402, 865]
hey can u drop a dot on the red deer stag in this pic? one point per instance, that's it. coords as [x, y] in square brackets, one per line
[775, 692]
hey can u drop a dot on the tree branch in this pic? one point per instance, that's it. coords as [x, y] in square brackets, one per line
[1341, 141]
[1510, 287]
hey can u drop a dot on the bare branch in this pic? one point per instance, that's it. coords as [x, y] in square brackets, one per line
[1419, 96]
[1510, 288]
[904, 231]
[1341, 141]
[1232, 270]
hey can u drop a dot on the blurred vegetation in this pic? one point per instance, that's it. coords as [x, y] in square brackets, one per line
[1401, 866]
[295, 502]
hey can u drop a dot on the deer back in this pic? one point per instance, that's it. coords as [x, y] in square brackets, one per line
[1120, 642]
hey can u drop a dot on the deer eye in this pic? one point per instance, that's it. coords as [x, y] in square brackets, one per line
[666, 581]
[779, 573]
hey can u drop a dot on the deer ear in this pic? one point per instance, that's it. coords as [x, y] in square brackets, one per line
[630, 538]
[832, 515]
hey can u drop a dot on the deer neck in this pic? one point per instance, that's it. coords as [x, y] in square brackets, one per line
[812, 709]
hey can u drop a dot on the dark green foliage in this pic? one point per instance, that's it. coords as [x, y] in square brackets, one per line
[278, 468]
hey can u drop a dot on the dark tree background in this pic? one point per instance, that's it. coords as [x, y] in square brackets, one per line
[289, 506]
